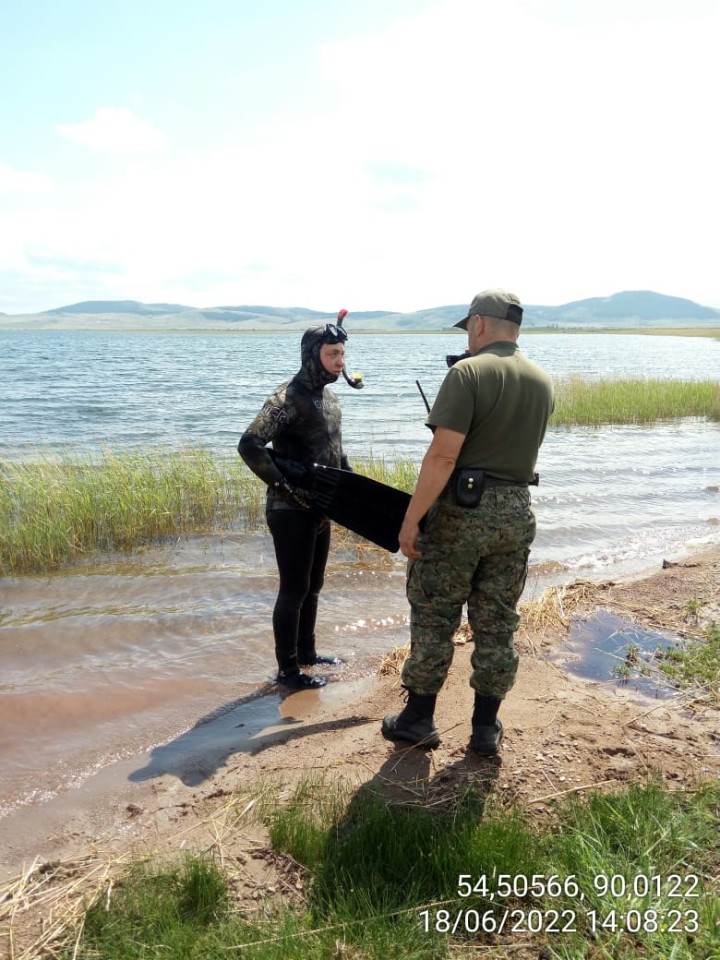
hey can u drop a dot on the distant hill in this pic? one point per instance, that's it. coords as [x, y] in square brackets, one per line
[119, 306]
[632, 308]
[629, 307]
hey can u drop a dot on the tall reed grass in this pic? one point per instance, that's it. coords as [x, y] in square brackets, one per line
[400, 472]
[59, 510]
[54, 511]
[585, 402]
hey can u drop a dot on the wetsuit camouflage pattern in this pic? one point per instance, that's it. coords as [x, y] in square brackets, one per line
[477, 555]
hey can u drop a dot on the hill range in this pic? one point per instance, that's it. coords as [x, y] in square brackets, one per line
[629, 309]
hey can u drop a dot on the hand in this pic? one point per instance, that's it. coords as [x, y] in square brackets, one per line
[409, 533]
[298, 498]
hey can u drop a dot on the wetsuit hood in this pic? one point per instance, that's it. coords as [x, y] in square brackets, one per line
[312, 372]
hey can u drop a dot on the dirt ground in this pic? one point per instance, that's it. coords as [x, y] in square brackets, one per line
[562, 734]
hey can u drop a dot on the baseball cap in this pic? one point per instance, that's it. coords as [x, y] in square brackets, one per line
[494, 303]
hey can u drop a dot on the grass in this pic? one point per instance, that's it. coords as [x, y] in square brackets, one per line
[613, 872]
[56, 510]
[696, 664]
[589, 403]
[693, 667]
[180, 910]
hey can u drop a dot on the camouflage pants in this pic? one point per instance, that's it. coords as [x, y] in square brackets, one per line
[476, 556]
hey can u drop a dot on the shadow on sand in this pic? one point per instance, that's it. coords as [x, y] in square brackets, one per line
[265, 718]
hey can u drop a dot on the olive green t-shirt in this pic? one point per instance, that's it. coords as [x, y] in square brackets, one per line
[501, 401]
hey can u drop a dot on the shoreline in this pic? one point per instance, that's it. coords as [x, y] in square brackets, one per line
[563, 735]
[66, 326]
[266, 718]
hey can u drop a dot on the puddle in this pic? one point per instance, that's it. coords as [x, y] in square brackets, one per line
[609, 649]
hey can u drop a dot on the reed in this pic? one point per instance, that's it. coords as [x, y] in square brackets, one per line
[588, 403]
[58, 510]
[400, 472]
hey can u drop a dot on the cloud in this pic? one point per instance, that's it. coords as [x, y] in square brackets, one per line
[19, 181]
[516, 144]
[115, 130]
[393, 172]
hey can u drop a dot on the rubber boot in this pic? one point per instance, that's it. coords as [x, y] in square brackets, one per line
[415, 723]
[487, 731]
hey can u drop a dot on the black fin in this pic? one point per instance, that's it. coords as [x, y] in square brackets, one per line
[369, 508]
[372, 509]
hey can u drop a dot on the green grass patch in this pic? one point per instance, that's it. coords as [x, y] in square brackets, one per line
[618, 875]
[400, 472]
[693, 667]
[587, 403]
[178, 912]
[696, 664]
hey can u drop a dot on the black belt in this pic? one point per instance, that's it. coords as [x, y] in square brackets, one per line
[491, 481]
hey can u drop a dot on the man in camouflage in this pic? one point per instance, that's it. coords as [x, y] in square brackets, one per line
[488, 422]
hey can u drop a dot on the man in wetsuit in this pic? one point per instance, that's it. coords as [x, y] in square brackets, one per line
[489, 420]
[302, 421]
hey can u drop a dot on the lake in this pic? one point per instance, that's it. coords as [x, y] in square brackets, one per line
[114, 656]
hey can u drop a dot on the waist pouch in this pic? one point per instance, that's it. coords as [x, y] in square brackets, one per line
[467, 484]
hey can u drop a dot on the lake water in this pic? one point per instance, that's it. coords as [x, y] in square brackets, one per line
[110, 658]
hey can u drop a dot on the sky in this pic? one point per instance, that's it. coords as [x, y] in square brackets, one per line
[380, 155]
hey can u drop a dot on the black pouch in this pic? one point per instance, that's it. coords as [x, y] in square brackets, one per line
[468, 484]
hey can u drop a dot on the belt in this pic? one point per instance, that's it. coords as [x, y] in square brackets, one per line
[499, 482]
[490, 481]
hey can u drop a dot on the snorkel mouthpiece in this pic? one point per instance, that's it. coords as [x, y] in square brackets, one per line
[356, 381]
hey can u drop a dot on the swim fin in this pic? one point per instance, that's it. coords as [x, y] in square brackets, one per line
[369, 508]
[365, 506]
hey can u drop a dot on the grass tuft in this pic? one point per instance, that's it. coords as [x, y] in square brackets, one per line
[177, 912]
[696, 664]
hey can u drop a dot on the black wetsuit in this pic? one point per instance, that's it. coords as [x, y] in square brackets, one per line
[302, 421]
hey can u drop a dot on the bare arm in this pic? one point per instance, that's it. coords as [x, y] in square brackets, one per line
[438, 463]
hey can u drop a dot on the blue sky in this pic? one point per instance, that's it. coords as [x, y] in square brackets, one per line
[389, 154]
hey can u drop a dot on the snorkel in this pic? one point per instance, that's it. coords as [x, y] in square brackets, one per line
[356, 381]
